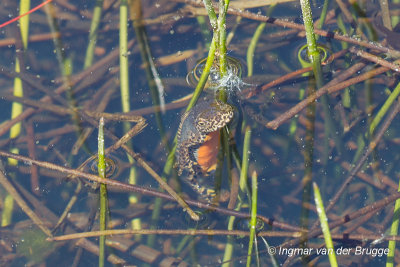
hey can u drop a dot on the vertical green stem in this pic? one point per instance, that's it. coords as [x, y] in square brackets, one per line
[125, 93]
[243, 190]
[222, 38]
[211, 14]
[315, 60]
[103, 191]
[123, 56]
[204, 74]
[16, 108]
[383, 110]
[309, 26]
[223, 7]
[253, 216]
[253, 43]
[94, 26]
[24, 7]
[393, 232]
[322, 17]
[324, 226]
[252, 48]
[245, 165]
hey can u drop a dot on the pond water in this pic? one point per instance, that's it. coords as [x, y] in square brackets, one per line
[325, 142]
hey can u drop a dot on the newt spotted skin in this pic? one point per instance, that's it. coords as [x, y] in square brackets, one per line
[198, 140]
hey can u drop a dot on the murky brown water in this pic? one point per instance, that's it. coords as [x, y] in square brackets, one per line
[325, 142]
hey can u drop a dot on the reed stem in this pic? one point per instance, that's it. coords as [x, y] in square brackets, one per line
[94, 26]
[16, 107]
[253, 216]
[383, 110]
[101, 167]
[393, 232]
[324, 226]
[125, 94]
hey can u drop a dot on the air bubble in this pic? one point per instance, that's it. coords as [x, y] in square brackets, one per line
[231, 81]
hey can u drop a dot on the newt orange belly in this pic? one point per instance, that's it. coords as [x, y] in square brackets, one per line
[207, 153]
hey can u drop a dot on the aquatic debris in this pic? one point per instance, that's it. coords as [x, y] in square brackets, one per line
[231, 82]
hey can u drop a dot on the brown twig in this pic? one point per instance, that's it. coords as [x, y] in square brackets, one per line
[212, 232]
[300, 27]
[333, 86]
[385, 125]
[251, 92]
[24, 206]
[140, 189]
[368, 209]
[378, 60]
[372, 208]
[32, 154]
[6, 125]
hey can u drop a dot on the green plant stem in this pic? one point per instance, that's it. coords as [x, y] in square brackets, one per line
[393, 232]
[253, 43]
[223, 68]
[211, 14]
[228, 252]
[252, 48]
[253, 216]
[123, 56]
[244, 189]
[324, 226]
[101, 167]
[323, 14]
[315, 59]
[313, 52]
[396, 213]
[24, 7]
[94, 26]
[222, 36]
[204, 74]
[221, 33]
[8, 207]
[221, 47]
[125, 95]
[16, 108]
[383, 110]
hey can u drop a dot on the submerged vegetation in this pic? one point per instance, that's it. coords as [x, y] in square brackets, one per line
[196, 160]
